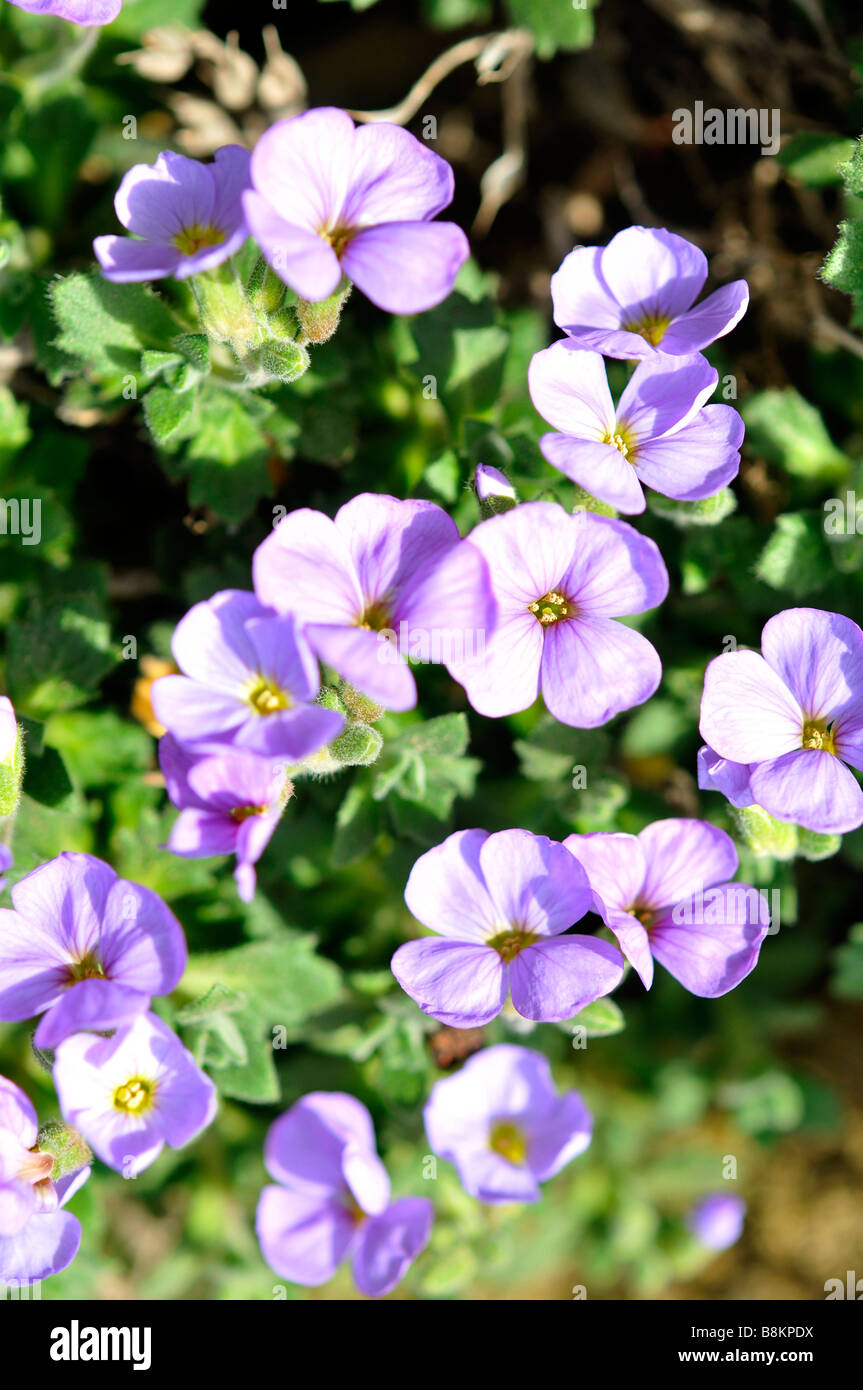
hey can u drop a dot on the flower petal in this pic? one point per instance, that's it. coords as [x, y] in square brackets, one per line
[711, 319]
[812, 788]
[712, 943]
[302, 1237]
[592, 668]
[406, 267]
[569, 389]
[388, 1244]
[304, 260]
[447, 892]
[682, 856]
[819, 656]
[554, 979]
[458, 983]
[748, 714]
[698, 460]
[394, 178]
[535, 883]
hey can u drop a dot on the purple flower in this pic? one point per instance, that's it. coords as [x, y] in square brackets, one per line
[633, 298]
[188, 216]
[87, 12]
[501, 904]
[492, 485]
[661, 434]
[503, 1125]
[666, 896]
[332, 1199]
[37, 1238]
[230, 803]
[794, 714]
[132, 1093]
[85, 948]
[717, 1220]
[8, 728]
[560, 582]
[250, 677]
[717, 774]
[385, 580]
[330, 200]
[6, 862]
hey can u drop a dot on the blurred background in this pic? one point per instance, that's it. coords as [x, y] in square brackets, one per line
[559, 126]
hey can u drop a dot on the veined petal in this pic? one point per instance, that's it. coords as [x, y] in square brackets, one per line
[748, 714]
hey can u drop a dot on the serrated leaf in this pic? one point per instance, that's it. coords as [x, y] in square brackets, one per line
[167, 412]
[108, 326]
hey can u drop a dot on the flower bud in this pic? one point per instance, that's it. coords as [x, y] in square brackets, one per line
[11, 758]
[68, 1148]
[319, 321]
[359, 745]
[813, 845]
[586, 502]
[283, 361]
[265, 290]
[359, 707]
[494, 491]
[763, 834]
[225, 313]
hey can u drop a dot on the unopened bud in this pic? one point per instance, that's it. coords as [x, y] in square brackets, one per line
[283, 361]
[812, 845]
[69, 1149]
[359, 745]
[265, 290]
[225, 313]
[11, 758]
[319, 321]
[494, 490]
[763, 834]
[361, 709]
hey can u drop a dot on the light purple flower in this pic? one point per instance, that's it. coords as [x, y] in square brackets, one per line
[794, 714]
[660, 435]
[492, 485]
[8, 728]
[500, 905]
[717, 1221]
[330, 200]
[250, 677]
[560, 582]
[331, 1201]
[230, 803]
[133, 1093]
[717, 774]
[85, 948]
[6, 862]
[87, 12]
[502, 1123]
[634, 297]
[385, 580]
[666, 896]
[37, 1238]
[188, 216]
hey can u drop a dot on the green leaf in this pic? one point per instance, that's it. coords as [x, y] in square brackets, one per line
[357, 826]
[58, 654]
[226, 458]
[796, 558]
[285, 979]
[847, 981]
[46, 779]
[814, 157]
[555, 24]
[461, 346]
[108, 326]
[167, 412]
[601, 1019]
[790, 433]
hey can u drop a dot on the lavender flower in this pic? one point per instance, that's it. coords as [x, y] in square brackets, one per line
[331, 1201]
[717, 1221]
[494, 491]
[86, 12]
[661, 434]
[634, 297]
[250, 677]
[503, 1125]
[86, 949]
[384, 580]
[560, 582]
[188, 216]
[132, 1093]
[329, 201]
[717, 774]
[665, 895]
[501, 904]
[6, 862]
[37, 1238]
[8, 728]
[794, 716]
[230, 803]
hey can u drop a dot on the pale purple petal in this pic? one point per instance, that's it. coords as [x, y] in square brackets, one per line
[634, 942]
[305, 567]
[211, 643]
[303, 167]
[614, 865]
[125, 261]
[534, 883]
[392, 543]
[599, 468]
[197, 712]
[552, 980]
[46, 1245]
[368, 660]
[748, 713]
[447, 892]
[85, 12]
[142, 943]
[592, 668]
[458, 983]
[560, 1136]
[682, 856]
[711, 319]
[569, 389]
[663, 395]
[406, 267]
[66, 899]
[717, 1220]
[90, 1006]
[812, 788]
[299, 256]
[615, 571]
[388, 1244]
[305, 1146]
[507, 679]
[292, 734]
[719, 775]
[712, 942]
[652, 272]
[394, 178]
[697, 461]
[819, 656]
[303, 1237]
[581, 298]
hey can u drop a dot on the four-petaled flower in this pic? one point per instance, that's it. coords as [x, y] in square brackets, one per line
[666, 895]
[560, 583]
[502, 1123]
[793, 716]
[331, 200]
[500, 904]
[132, 1093]
[660, 435]
[86, 949]
[633, 298]
[188, 217]
[331, 1199]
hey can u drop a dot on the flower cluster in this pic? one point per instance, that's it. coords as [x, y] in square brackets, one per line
[632, 300]
[87, 952]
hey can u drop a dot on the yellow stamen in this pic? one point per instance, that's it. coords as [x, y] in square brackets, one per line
[508, 943]
[135, 1096]
[818, 734]
[197, 237]
[651, 327]
[87, 968]
[265, 697]
[550, 608]
[508, 1140]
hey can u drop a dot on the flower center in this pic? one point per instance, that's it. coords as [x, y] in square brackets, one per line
[619, 442]
[338, 238]
[89, 967]
[508, 943]
[197, 237]
[508, 1140]
[551, 608]
[652, 327]
[135, 1096]
[377, 617]
[241, 813]
[819, 733]
[645, 915]
[265, 697]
